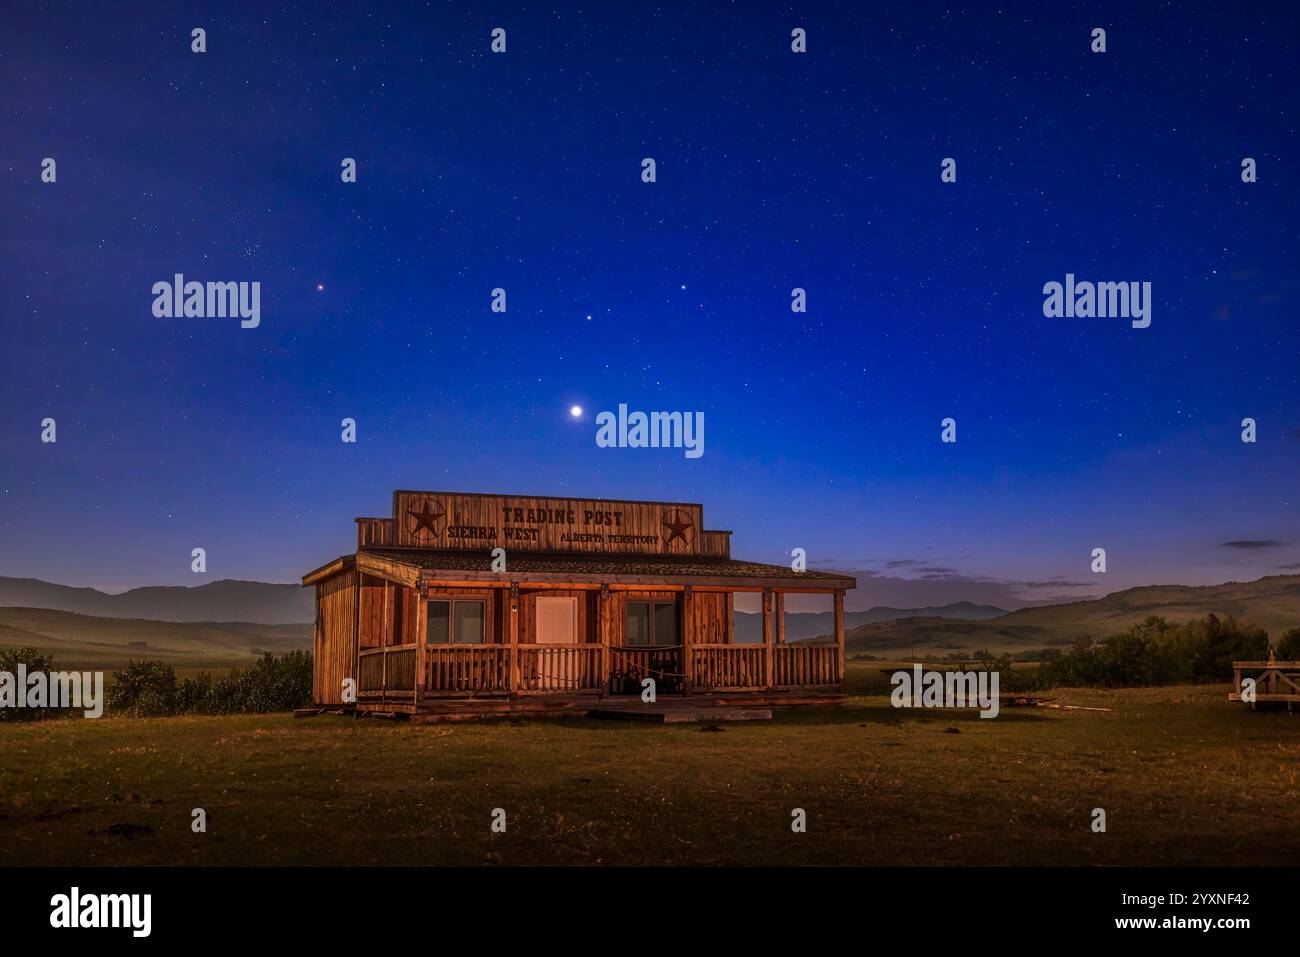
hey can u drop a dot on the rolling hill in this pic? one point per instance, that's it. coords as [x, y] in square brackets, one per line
[1273, 603]
[225, 600]
[800, 626]
[83, 639]
[86, 642]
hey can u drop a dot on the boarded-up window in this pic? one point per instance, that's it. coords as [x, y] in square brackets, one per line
[557, 620]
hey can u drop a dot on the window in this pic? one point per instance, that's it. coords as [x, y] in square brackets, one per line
[469, 622]
[651, 623]
[457, 622]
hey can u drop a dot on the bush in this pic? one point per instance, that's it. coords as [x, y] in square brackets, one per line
[1216, 643]
[273, 683]
[144, 689]
[1156, 652]
[10, 659]
[149, 689]
[1288, 645]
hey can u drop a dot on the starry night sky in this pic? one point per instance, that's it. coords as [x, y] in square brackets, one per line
[775, 170]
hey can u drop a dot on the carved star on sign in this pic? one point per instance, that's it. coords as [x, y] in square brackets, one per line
[678, 524]
[425, 519]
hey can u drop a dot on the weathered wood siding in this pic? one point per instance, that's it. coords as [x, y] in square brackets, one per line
[447, 520]
[335, 649]
[712, 618]
[370, 618]
[715, 544]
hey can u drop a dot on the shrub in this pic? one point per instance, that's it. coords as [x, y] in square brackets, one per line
[1216, 643]
[1156, 652]
[1288, 645]
[144, 689]
[273, 683]
[10, 659]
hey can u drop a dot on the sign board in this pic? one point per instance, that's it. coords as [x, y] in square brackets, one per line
[467, 521]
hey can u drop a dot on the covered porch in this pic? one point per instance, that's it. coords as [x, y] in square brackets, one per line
[554, 633]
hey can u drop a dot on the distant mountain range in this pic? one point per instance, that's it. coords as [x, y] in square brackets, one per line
[229, 600]
[1272, 603]
[228, 622]
[801, 626]
[225, 600]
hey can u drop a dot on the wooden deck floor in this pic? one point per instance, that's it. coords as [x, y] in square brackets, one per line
[717, 706]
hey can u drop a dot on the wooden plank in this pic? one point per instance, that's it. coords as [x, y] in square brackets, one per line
[540, 523]
[513, 611]
[839, 635]
[769, 674]
[620, 582]
[329, 570]
[689, 626]
[604, 611]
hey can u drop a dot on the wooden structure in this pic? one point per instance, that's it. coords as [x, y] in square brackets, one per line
[1277, 681]
[467, 604]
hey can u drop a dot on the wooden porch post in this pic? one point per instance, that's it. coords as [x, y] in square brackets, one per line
[688, 637]
[839, 632]
[356, 638]
[385, 638]
[602, 632]
[779, 613]
[512, 610]
[768, 674]
[421, 626]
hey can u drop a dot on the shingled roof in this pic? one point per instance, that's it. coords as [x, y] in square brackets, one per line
[631, 569]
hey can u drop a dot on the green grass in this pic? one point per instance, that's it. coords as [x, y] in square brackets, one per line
[1185, 776]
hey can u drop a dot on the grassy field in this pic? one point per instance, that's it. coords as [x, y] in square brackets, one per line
[1185, 777]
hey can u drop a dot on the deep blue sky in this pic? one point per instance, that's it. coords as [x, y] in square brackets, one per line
[775, 170]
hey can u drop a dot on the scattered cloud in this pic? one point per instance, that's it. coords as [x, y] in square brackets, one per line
[1249, 543]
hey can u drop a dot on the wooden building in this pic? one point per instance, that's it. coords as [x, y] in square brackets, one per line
[489, 603]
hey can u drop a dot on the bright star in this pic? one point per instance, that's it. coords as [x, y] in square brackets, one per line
[575, 411]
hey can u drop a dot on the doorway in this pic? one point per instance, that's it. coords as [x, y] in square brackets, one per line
[557, 624]
[652, 648]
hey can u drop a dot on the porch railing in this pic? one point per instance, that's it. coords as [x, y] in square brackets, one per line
[449, 668]
[569, 667]
[727, 667]
[387, 672]
[390, 673]
[629, 665]
[805, 665]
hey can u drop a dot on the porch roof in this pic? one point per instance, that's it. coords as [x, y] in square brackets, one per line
[456, 565]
